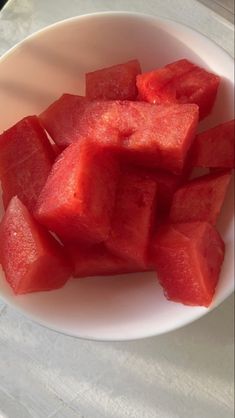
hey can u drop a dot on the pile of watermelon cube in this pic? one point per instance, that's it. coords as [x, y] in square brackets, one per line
[102, 184]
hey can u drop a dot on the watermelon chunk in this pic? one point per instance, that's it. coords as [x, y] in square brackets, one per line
[26, 158]
[113, 83]
[152, 136]
[33, 261]
[188, 259]
[166, 140]
[215, 148]
[200, 199]
[72, 117]
[132, 220]
[77, 200]
[96, 260]
[182, 82]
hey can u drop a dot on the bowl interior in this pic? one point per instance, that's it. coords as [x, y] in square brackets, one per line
[54, 61]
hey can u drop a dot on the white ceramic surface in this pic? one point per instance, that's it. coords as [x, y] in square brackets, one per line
[54, 61]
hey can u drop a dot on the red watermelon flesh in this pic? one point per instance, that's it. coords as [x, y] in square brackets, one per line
[200, 199]
[113, 83]
[181, 67]
[180, 81]
[26, 158]
[56, 150]
[96, 260]
[153, 136]
[71, 117]
[215, 148]
[188, 259]
[33, 261]
[157, 86]
[133, 216]
[147, 134]
[77, 200]
[166, 143]
[61, 118]
[200, 87]
[167, 184]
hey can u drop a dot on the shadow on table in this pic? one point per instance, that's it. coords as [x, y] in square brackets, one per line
[216, 329]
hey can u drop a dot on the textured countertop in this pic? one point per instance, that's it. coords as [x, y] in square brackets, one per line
[187, 373]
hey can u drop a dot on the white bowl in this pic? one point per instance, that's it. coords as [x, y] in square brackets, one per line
[54, 61]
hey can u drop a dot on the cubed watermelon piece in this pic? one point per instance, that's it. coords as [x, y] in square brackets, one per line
[72, 117]
[215, 148]
[77, 200]
[157, 86]
[113, 83]
[96, 260]
[133, 216]
[200, 87]
[26, 158]
[165, 140]
[188, 259]
[33, 261]
[182, 82]
[200, 199]
[152, 136]
[60, 119]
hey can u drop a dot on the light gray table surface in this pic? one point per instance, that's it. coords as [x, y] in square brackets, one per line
[185, 374]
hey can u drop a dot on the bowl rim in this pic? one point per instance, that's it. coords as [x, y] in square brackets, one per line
[108, 13]
[154, 18]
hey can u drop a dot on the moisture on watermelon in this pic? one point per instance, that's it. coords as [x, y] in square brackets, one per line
[33, 261]
[77, 200]
[133, 216]
[113, 83]
[200, 199]
[188, 259]
[97, 260]
[182, 82]
[214, 148]
[26, 158]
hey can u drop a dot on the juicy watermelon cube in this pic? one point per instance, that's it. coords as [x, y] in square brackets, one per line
[165, 139]
[77, 200]
[132, 220]
[215, 148]
[157, 86]
[72, 117]
[60, 119]
[113, 83]
[26, 158]
[33, 261]
[198, 86]
[182, 82]
[200, 199]
[96, 260]
[188, 259]
[149, 135]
